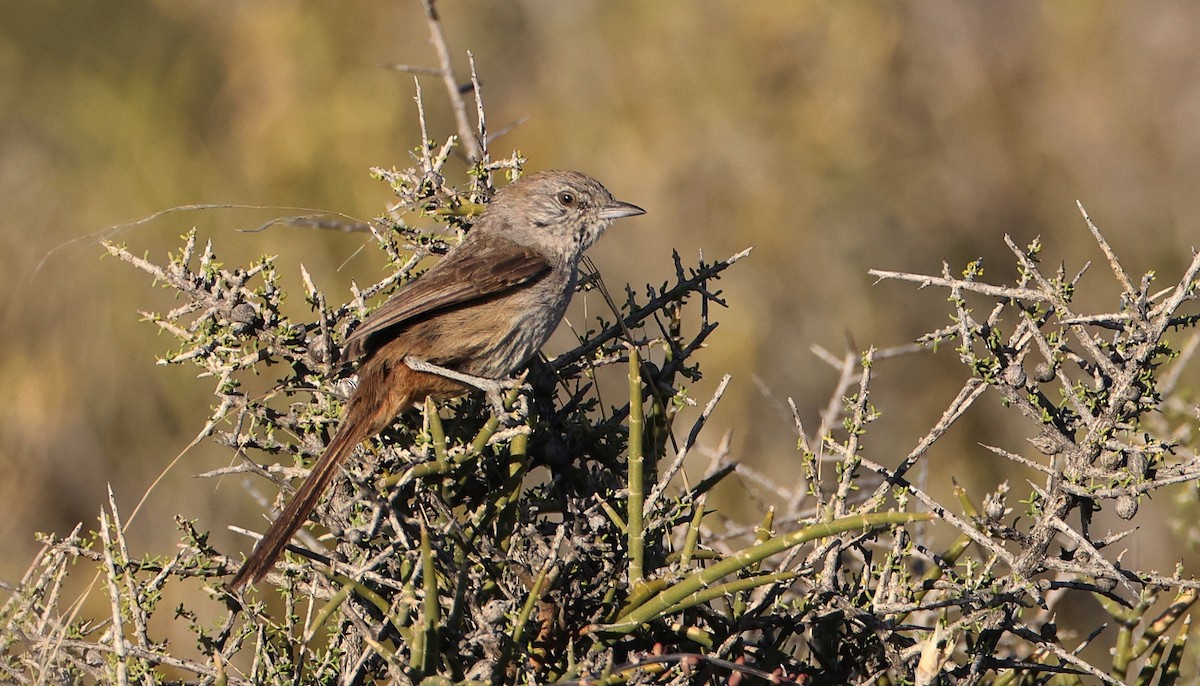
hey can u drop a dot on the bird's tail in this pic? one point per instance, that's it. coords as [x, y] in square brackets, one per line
[357, 427]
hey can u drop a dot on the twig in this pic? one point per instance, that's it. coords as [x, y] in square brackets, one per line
[465, 133]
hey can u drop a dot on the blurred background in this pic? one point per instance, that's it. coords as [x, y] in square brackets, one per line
[835, 137]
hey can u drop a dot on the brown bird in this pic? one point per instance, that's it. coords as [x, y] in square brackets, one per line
[481, 313]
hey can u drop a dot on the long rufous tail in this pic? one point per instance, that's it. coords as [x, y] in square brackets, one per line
[362, 421]
[386, 387]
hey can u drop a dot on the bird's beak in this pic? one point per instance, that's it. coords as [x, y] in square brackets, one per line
[620, 209]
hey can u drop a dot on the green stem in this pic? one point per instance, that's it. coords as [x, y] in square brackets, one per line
[431, 615]
[669, 597]
[693, 533]
[518, 632]
[635, 534]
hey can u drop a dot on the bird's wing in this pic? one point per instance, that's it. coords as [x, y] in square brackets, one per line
[480, 268]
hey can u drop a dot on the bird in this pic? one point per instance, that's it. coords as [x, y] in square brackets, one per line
[471, 321]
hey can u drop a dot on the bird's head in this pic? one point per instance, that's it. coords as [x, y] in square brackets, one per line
[560, 213]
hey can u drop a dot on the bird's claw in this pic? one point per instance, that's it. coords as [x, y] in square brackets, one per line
[498, 400]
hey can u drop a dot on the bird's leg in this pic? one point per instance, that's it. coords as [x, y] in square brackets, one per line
[494, 388]
[481, 382]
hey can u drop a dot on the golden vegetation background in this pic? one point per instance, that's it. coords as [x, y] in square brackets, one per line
[835, 137]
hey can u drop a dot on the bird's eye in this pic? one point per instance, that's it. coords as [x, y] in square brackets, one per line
[566, 198]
